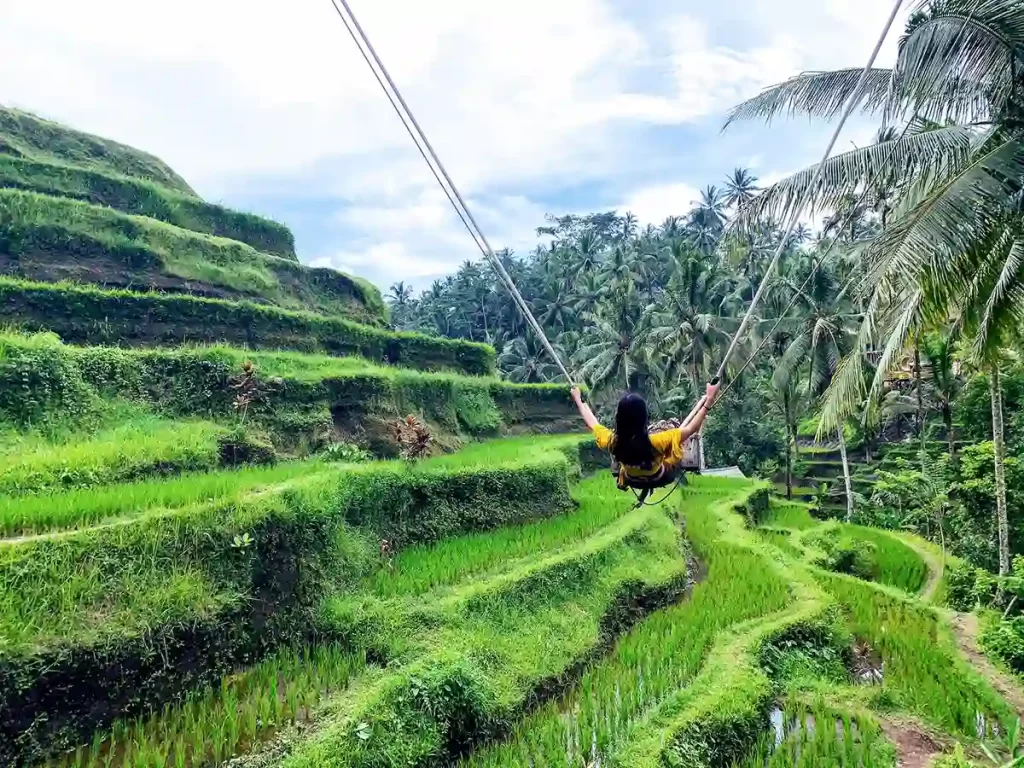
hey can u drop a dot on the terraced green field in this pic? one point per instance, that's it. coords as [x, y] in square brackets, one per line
[577, 632]
[189, 577]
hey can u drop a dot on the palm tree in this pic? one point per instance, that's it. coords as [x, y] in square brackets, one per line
[588, 293]
[556, 310]
[786, 397]
[684, 327]
[944, 382]
[953, 248]
[820, 340]
[400, 293]
[586, 254]
[740, 188]
[525, 361]
[611, 352]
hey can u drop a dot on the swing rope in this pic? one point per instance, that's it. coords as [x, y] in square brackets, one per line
[412, 126]
[818, 264]
[415, 131]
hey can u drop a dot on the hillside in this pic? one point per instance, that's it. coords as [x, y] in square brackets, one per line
[24, 135]
[75, 207]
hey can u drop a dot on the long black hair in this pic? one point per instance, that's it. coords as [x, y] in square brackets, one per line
[631, 444]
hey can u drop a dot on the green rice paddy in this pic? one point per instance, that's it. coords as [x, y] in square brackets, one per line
[588, 634]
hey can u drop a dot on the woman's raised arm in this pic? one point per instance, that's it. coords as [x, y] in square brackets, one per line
[584, 409]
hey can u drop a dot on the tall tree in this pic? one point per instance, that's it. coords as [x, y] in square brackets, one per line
[740, 188]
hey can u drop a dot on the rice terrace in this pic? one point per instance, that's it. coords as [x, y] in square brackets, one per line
[255, 513]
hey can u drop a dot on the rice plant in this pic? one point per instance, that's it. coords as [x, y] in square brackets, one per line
[41, 512]
[217, 723]
[820, 737]
[421, 568]
[923, 671]
[146, 445]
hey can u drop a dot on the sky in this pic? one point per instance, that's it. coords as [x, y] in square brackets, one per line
[535, 106]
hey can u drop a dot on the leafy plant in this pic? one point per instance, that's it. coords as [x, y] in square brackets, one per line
[347, 453]
[413, 437]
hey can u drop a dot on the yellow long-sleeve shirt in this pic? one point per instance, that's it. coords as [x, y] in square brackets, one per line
[668, 449]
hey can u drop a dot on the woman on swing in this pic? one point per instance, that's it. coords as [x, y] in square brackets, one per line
[646, 461]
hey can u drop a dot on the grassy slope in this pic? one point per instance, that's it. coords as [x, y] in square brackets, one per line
[659, 656]
[474, 625]
[211, 583]
[493, 634]
[145, 198]
[53, 238]
[24, 134]
[89, 315]
[56, 509]
[114, 567]
[131, 450]
[924, 672]
[302, 402]
[465, 642]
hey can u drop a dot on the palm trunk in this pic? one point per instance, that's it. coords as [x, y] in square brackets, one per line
[789, 467]
[920, 404]
[786, 410]
[846, 475]
[996, 392]
[947, 420]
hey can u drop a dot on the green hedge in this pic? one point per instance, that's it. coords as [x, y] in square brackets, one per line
[23, 134]
[174, 600]
[91, 315]
[42, 379]
[53, 238]
[144, 198]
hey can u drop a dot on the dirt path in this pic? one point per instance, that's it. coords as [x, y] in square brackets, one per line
[914, 747]
[965, 630]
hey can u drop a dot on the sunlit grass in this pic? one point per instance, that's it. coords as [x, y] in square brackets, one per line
[143, 446]
[660, 655]
[216, 723]
[48, 511]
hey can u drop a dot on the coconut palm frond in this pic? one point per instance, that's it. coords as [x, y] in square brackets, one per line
[1003, 305]
[935, 151]
[817, 94]
[951, 219]
[956, 65]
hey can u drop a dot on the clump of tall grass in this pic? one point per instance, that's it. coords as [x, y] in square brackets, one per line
[140, 447]
[55, 510]
[923, 671]
[820, 737]
[217, 723]
[421, 568]
[898, 565]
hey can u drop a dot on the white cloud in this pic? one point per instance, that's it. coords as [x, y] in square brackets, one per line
[654, 204]
[244, 95]
[710, 78]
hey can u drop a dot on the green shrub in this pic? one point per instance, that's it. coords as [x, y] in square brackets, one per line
[345, 453]
[1005, 640]
[294, 394]
[24, 134]
[144, 198]
[40, 384]
[974, 495]
[90, 315]
[960, 587]
[844, 553]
